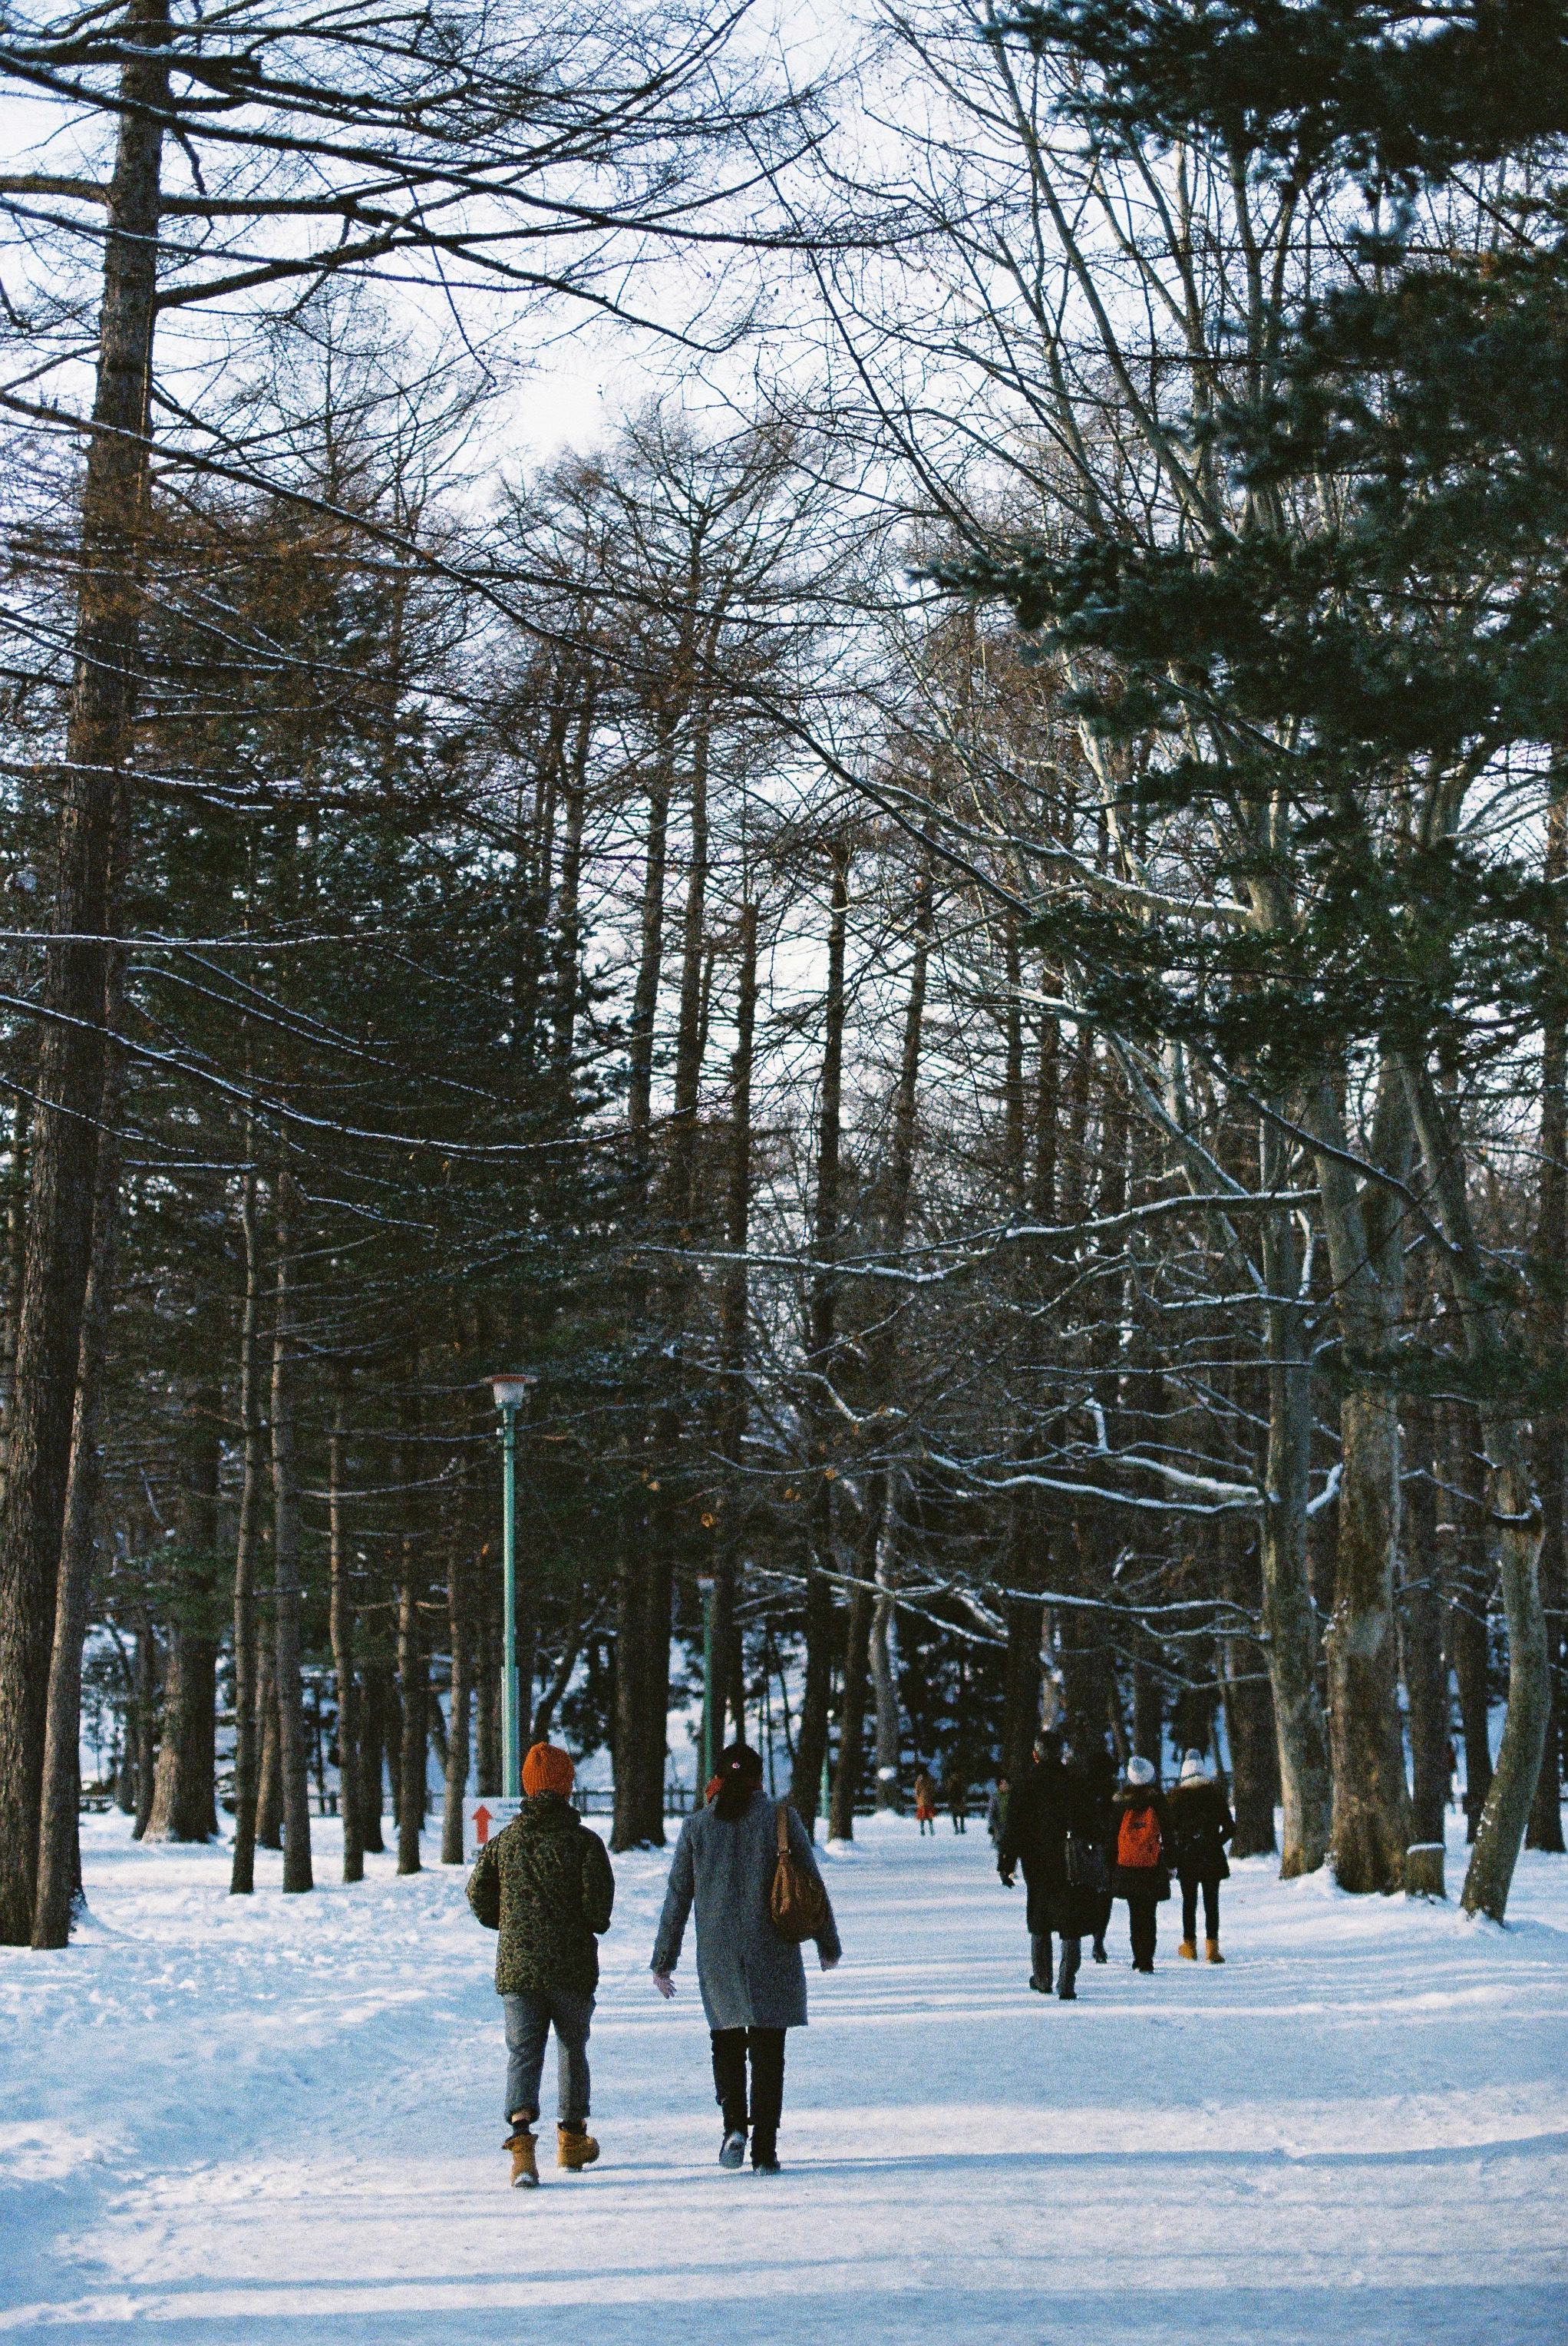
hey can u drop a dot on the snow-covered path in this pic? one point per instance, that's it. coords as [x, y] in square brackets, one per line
[251, 2120]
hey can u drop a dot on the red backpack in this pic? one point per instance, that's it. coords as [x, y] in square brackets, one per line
[1138, 1842]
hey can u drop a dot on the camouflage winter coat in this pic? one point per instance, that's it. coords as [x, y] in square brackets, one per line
[546, 1884]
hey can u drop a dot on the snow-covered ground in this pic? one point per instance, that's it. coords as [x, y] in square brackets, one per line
[252, 2120]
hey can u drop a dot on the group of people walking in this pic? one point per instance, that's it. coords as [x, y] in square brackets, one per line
[745, 1866]
[1084, 1840]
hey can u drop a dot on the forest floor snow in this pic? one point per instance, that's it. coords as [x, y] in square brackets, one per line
[256, 2121]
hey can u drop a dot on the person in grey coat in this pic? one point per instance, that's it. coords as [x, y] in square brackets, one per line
[752, 1982]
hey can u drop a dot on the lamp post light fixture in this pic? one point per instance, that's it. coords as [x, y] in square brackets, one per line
[510, 1394]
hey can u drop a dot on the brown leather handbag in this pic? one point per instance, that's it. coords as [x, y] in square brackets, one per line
[798, 1902]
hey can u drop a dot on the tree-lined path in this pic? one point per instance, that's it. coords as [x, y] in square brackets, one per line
[234, 2120]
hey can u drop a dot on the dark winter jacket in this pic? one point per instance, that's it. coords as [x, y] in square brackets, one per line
[546, 1884]
[748, 1976]
[1100, 1776]
[1152, 1881]
[1201, 1823]
[1051, 1801]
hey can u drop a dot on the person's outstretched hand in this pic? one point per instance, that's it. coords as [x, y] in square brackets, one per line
[829, 1962]
[663, 1983]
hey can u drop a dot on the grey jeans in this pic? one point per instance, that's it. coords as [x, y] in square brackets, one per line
[529, 2019]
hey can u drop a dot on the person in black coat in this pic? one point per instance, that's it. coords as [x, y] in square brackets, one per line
[1142, 1875]
[1051, 1803]
[1201, 1823]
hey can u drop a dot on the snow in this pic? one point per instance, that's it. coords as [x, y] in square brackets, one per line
[225, 2119]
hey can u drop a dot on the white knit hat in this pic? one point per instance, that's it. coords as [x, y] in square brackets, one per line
[1140, 1771]
[1192, 1769]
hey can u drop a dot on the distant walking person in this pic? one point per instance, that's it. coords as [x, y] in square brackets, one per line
[1047, 1806]
[1142, 1875]
[1201, 1823]
[955, 1785]
[546, 1884]
[996, 1812]
[751, 1980]
[925, 1800]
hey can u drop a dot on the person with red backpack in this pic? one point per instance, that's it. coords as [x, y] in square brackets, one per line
[1142, 1870]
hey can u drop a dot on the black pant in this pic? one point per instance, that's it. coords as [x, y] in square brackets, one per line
[1102, 1919]
[1189, 1890]
[765, 2046]
[1143, 1922]
[1040, 1957]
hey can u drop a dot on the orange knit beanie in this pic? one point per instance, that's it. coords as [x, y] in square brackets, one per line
[548, 1768]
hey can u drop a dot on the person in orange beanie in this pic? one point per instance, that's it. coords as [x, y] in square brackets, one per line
[546, 1884]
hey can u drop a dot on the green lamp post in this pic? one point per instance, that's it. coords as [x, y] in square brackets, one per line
[510, 1394]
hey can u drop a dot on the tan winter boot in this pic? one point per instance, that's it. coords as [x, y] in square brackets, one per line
[574, 2148]
[1188, 1951]
[524, 2165]
[1211, 1949]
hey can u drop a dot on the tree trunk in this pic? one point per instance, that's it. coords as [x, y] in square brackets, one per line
[146, 1675]
[636, 1595]
[293, 1755]
[59, 1841]
[459, 1577]
[69, 1071]
[630, 1711]
[1469, 1605]
[1021, 1686]
[811, 1741]
[373, 1756]
[1289, 1617]
[815, 1701]
[15, 1252]
[341, 1607]
[1545, 1829]
[1515, 1512]
[1372, 1814]
[1421, 1629]
[487, 1680]
[247, 1771]
[846, 1785]
[728, 1662]
[884, 1684]
[184, 1805]
[269, 1770]
[895, 1230]
[1248, 1713]
[412, 1675]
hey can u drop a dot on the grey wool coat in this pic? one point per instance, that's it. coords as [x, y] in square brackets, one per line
[750, 1977]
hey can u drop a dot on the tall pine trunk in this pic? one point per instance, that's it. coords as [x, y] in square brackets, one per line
[1289, 1617]
[729, 1661]
[59, 1846]
[342, 1604]
[811, 1738]
[413, 1680]
[1421, 1629]
[635, 1596]
[1545, 1829]
[459, 1579]
[184, 1803]
[246, 1756]
[70, 1072]
[1371, 1795]
[287, 1688]
[1514, 1510]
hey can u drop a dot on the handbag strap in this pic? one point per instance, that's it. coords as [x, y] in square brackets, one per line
[783, 1828]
